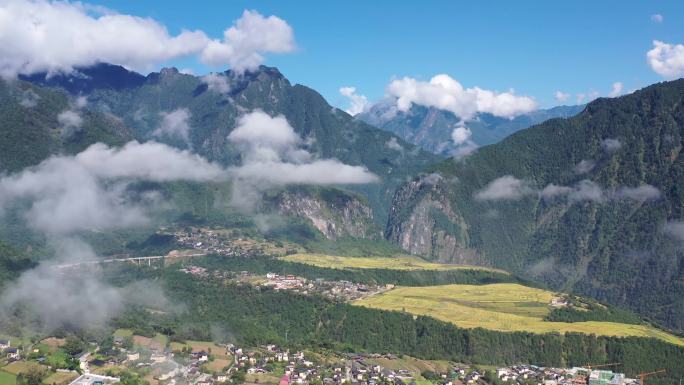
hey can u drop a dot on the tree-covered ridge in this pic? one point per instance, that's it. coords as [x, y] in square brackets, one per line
[30, 128]
[213, 111]
[612, 245]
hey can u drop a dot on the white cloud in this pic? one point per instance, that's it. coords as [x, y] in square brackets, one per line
[506, 187]
[584, 166]
[552, 191]
[88, 191]
[465, 149]
[446, 93]
[393, 144]
[28, 98]
[357, 103]
[561, 96]
[657, 18]
[70, 122]
[586, 190]
[55, 36]
[460, 135]
[245, 42]
[174, 124]
[216, 82]
[667, 60]
[674, 229]
[616, 89]
[611, 145]
[643, 193]
[272, 155]
[431, 179]
[81, 101]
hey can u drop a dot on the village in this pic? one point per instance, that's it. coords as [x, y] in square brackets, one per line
[336, 290]
[205, 363]
[226, 242]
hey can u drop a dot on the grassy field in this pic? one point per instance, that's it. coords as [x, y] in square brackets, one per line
[158, 342]
[504, 307]
[389, 263]
[411, 364]
[218, 364]
[17, 367]
[60, 378]
[7, 378]
[261, 379]
[196, 346]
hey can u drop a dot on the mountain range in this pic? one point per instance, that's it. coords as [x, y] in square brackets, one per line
[431, 128]
[589, 201]
[590, 204]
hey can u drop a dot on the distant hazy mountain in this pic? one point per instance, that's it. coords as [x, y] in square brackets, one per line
[431, 128]
[592, 204]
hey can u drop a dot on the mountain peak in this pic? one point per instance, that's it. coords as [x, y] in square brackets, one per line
[83, 80]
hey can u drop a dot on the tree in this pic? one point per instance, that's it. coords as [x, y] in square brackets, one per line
[73, 346]
[34, 376]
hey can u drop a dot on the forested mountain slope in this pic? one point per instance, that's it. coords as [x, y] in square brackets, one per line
[34, 125]
[212, 105]
[590, 204]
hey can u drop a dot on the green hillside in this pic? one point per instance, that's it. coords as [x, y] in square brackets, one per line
[331, 133]
[29, 126]
[608, 246]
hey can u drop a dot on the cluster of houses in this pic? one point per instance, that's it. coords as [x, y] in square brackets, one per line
[337, 290]
[562, 376]
[12, 353]
[216, 242]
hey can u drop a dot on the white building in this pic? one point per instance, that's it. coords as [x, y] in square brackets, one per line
[91, 379]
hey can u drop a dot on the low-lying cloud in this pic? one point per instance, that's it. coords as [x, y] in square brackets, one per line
[217, 83]
[674, 229]
[70, 122]
[273, 155]
[509, 188]
[611, 145]
[506, 187]
[67, 194]
[584, 166]
[174, 124]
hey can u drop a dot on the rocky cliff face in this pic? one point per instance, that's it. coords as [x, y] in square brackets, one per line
[334, 213]
[422, 221]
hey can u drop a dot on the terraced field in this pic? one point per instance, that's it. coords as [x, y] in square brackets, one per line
[504, 307]
[389, 263]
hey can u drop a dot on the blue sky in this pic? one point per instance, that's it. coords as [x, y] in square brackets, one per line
[536, 48]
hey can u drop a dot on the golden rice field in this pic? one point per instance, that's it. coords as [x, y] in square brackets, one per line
[389, 263]
[504, 307]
